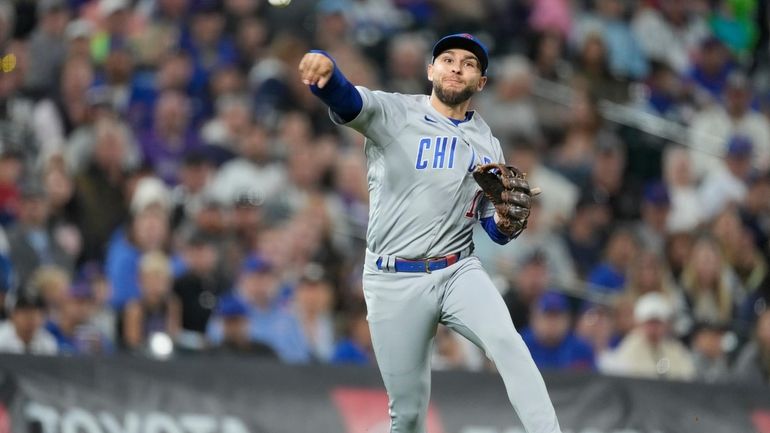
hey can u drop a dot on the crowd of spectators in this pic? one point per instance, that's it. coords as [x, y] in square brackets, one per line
[168, 183]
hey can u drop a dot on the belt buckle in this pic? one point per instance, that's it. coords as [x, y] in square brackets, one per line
[427, 265]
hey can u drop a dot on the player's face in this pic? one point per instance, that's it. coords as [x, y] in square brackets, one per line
[456, 76]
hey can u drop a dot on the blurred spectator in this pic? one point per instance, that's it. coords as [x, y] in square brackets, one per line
[740, 252]
[529, 282]
[355, 347]
[71, 328]
[711, 67]
[717, 124]
[406, 64]
[258, 286]
[195, 175]
[585, 132]
[753, 363]
[236, 339]
[171, 137]
[584, 234]
[550, 339]
[651, 230]
[11, 169]
[509, 109]
[312, 304]
[685, 213]
[99, 197]
[755, 212]
[453, 352]
[625, 55]
[537, 238]
[52, 285]
[725, 186]
[670, 33]
[63, 218]
[232, 120]
[253, 172]
[115, 18]
[709, 355]
[157, 310]
[47, 48]
[24, 331]
[734, 22]
[665, 94]
[678, 248]
[62, 111]
[649, 350]
[592, 71]
[32, 243]
[596, 326]
[709, 283]
[148, 230]
[609, 276]
[199, 287]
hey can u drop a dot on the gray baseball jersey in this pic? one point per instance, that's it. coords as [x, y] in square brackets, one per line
[423, 199]
[424, 203]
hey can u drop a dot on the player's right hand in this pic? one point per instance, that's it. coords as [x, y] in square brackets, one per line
[315, 68]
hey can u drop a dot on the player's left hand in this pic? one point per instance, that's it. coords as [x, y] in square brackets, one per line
[507, 188]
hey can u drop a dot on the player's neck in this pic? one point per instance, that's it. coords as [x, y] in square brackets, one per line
[451, 111]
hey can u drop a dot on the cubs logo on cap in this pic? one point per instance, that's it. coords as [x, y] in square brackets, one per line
[465, 41]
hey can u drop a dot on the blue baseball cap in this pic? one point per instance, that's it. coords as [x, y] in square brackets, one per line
[739, 146]
[255, 264]
[231, 306]
[465, 41]
[656, 194]
[552, 302]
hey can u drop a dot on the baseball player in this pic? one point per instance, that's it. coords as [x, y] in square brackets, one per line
[422, 152]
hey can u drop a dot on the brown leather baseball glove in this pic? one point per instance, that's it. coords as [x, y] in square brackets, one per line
[507, 188]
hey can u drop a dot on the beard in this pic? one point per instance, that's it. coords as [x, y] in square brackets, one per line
[452, 98]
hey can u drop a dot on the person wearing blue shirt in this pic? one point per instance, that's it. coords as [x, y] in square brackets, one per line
[550, 340]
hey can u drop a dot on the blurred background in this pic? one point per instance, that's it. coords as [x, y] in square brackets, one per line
[170, 189]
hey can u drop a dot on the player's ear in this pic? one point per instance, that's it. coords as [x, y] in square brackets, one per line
[482, 83]
[430, 71]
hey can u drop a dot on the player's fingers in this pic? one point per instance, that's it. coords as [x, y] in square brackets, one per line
[324, 78]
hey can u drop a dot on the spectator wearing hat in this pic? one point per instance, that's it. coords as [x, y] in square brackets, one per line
[269, 322]
[195, 174]
[596, 325]
[71, 327]
[47, 47]
[649, 350]
[609, 276]
[116, 21]
[233, 314]
[716, 124]
[24, 331]
[752, 366]
[726, 185]
[656, 206]
[550, 339]
[32, 242]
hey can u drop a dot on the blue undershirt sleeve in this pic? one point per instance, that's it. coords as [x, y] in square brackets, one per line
[494, 233]
[339, 94]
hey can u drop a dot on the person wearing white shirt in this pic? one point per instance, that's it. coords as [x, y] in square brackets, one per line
[24, 332]
[726, 184]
